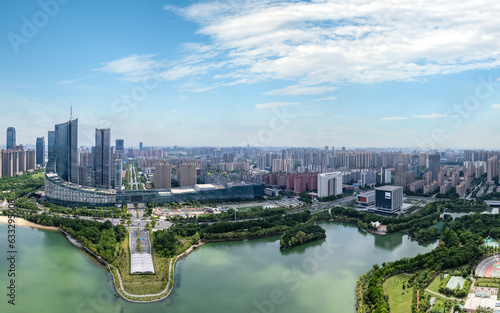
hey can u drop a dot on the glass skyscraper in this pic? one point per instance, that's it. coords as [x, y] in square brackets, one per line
[50, 142]
[11, 137]
[65, 151]
[40, 151]
[119, 146]
[102, 158]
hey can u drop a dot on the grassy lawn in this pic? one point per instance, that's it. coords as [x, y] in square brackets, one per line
[399, 299]
[434, 286]
[487, 282]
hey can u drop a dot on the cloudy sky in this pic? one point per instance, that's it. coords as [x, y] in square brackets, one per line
[359, 73]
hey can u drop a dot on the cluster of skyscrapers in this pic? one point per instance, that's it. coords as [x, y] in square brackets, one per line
[15, 159]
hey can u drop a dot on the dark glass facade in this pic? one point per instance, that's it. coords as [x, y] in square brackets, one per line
[65, 153]
[119, 146]
[40, 151]
[11, 137]
[50, 142]
[102, 158]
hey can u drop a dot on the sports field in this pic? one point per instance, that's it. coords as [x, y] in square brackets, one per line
[493, 271]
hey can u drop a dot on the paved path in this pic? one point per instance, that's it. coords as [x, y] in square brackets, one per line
[151, 295]
[438, 294]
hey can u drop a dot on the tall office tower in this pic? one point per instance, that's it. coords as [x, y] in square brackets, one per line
[400, 175]
[116, 155]
[141, 146]
[102, 158]
[161, 178]
[40, 151]
[492, 168]
[434, 165]
[50, 142]
[415, 163]
[11, 137]
[65, 153]
[119, 146]
[186, 175]
[118, 174]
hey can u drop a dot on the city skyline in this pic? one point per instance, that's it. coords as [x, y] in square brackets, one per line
[190, 75]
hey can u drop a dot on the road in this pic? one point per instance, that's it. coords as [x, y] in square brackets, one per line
[144, 242]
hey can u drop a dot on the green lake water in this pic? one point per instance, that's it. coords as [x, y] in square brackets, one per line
[244, 276]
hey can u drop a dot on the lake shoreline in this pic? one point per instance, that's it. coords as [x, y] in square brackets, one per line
[24, 223]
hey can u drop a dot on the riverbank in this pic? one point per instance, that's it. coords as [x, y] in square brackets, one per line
[24, 223]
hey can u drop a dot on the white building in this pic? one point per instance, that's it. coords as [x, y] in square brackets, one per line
[329, 184]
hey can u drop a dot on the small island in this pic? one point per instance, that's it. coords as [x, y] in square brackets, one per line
[300, 235]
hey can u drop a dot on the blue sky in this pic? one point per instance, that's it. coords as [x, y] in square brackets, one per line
[262, 72]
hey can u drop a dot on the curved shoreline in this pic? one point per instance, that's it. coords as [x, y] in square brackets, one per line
[167, 289]
[24, 223]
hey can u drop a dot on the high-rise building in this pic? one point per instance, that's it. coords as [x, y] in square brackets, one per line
[277, 165]
[400, 174]
[186, 175]
[66, 151]
[11, 137]
[86, 159]
[116, 155]
[161, 178]
[50, 142]
[40, 151]
[119, 146]
[102, 158]
[434, 165]
[7, 163]
[492, 168]
[118, 174]
[30, 158]
[329, 184]
[141, 146]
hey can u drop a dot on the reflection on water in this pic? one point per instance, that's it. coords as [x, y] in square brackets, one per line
[238, 276]
[389, 241]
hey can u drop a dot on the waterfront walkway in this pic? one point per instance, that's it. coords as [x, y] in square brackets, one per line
[164, 292]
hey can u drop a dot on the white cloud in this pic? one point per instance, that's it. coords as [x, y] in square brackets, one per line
[361, 41]
[324, 99]
[133, 68]
[393, 118]
[269, 105]
[66, 82]
[495, 106]
[300, 90]
[431, 116]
